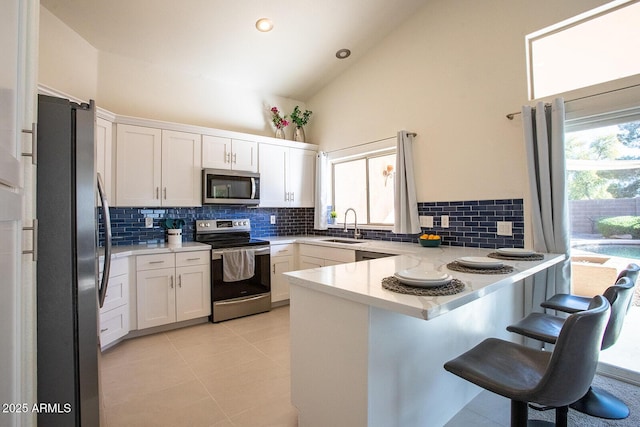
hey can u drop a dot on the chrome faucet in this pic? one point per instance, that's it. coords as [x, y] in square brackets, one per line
[356, 233]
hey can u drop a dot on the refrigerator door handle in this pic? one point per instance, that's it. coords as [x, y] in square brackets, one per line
[102, 290]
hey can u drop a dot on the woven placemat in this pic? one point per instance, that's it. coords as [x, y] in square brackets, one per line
[456, 266]
[393, 284]
[534, 257]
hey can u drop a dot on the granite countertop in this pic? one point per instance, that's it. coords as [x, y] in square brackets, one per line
[361, 281]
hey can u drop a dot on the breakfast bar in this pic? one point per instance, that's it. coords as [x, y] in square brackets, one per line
[362, 355]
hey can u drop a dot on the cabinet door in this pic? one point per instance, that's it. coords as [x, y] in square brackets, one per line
[114, 324]
[279, 283]
[193, 293]
[302, 167]
[244, 156]
[272, 160]
[181, 160]
[139, 166]
[104, 150]
[216, 152]
[156, 297]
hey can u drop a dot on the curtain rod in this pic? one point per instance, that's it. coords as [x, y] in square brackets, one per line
[510, 116]
[367, 143]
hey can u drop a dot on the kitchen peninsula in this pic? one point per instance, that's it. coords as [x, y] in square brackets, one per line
[365, 356]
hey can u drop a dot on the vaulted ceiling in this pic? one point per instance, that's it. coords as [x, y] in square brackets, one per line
[218, 39]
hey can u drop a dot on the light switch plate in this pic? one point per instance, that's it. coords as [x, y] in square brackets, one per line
[273, 219]
[426, 221]
[148, 222]
[444, 221]
[505, 228]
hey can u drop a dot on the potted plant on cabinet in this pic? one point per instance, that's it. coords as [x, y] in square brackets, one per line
[300, 119]
[174, 230]
[279, 122]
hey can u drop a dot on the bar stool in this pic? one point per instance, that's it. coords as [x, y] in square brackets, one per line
[524, 374]
[573, 303]
[545, 327]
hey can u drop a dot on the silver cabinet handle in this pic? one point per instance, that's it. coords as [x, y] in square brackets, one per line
[293, 198]
[193, 259]
[34, 143]
[157, 192]
[235, 158]
[180, 280]
[156, 262]
[227, 157]
[171, 282]
[165, 193]
[104, 330]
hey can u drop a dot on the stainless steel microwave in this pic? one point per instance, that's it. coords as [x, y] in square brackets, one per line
[220, 186]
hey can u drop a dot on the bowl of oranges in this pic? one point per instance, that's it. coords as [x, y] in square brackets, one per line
[430, 240]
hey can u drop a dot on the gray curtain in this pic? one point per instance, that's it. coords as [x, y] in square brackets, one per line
[544, 140]
[406, 220]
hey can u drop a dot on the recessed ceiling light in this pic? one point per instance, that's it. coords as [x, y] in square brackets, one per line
[343, 54]
[264, 25]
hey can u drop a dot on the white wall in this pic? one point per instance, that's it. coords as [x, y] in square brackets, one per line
[125, 86]
[67, 62]
[451, 74]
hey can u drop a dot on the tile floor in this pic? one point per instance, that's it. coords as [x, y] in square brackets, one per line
[234, 373]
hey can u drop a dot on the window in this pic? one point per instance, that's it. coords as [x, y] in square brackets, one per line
[366, 184]
[596, 47]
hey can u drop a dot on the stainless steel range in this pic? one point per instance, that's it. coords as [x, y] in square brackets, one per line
[240, 268]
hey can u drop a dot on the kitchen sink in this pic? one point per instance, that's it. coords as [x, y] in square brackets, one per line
[341, 241]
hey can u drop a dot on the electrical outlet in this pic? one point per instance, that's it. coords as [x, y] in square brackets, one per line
[148, 222]
[273, 219]
[444, 221]
[505, 228]
[426, 221]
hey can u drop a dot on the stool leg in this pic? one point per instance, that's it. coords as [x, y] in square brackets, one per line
[519, 413]
[561, 416]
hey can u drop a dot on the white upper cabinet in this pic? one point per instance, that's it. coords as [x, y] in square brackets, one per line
[104, 147]
[181, 160]
[227, 153]
[287, 176]
[157, 167]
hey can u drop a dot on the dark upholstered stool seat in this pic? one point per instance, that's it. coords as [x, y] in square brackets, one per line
[574, 303]
[545, 327]
[524, 374]
[539, 326]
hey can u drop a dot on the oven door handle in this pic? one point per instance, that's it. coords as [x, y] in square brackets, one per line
[240, 301]
[262, 251]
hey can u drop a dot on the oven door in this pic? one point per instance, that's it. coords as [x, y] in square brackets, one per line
[242, 297]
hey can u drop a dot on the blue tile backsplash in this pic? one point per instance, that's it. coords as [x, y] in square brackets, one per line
[471, 223]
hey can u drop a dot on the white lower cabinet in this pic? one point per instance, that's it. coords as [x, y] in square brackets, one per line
[172, 287]
[312, 256]
[282, 260]
[114, 314]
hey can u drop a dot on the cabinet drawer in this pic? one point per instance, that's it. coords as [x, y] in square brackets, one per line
[150, 262]
[114, 324]
[117, 292]
[283, 250]
[184, 259]
[324, 252]
[118, 266]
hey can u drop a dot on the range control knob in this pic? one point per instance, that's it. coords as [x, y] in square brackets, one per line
[245, 223]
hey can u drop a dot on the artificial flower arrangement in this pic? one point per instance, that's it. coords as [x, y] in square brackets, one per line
[300, 118]
[279, 121]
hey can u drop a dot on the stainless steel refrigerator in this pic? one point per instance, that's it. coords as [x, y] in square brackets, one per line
[68, 292]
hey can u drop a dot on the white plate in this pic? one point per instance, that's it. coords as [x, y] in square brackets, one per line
[425, 284]
[516, 252]
[479, 262]
[421, 274]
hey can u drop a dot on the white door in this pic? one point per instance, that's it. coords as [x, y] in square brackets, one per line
[193, 294]
[156, 297]
[216, 152]
[181, 159]
[139, 166]
[244, 156]
[273, 163]
[279, 283]
[302, 167]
